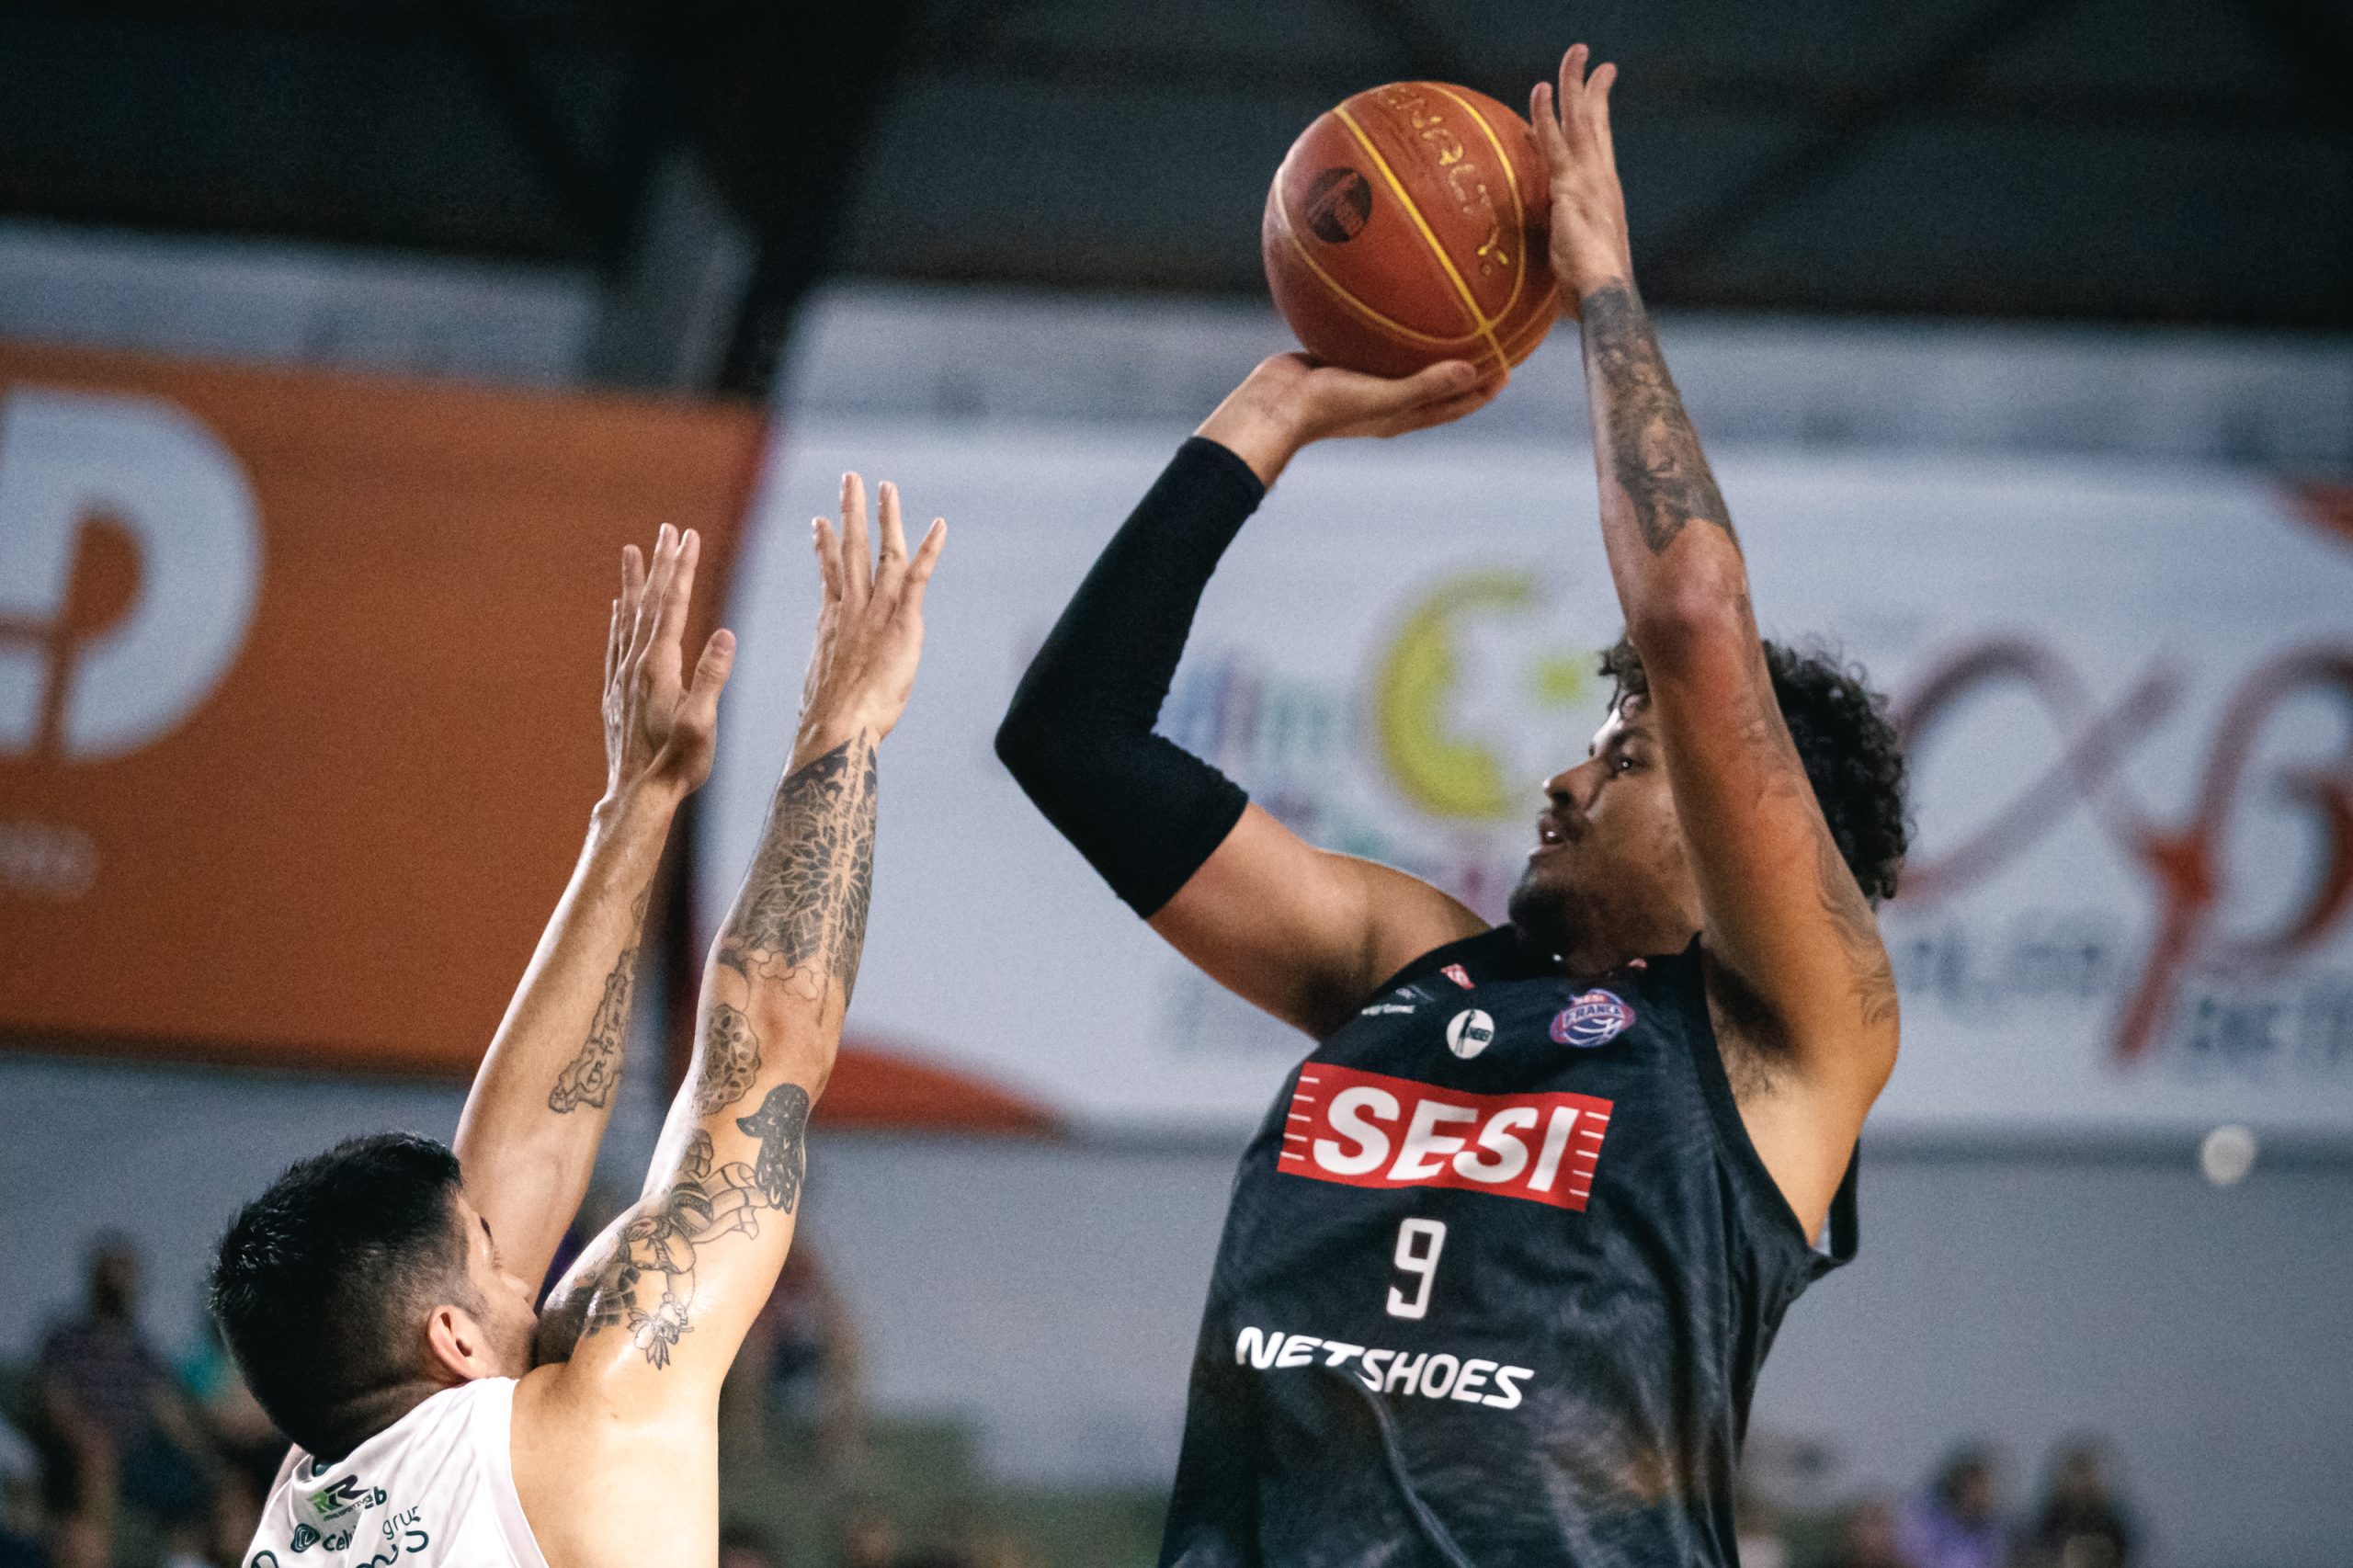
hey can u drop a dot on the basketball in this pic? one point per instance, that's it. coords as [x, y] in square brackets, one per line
[1407, 226]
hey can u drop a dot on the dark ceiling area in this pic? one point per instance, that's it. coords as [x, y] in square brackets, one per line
[2173, 161]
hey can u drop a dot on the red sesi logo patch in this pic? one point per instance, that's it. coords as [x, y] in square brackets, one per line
[1369, 1129]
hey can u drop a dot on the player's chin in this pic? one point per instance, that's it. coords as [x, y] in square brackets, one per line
[1541, 904]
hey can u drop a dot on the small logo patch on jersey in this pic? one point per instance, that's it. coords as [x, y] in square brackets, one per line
[1457, 973]
[1363, 1128]
[1594, 1018]
[1469, 1032]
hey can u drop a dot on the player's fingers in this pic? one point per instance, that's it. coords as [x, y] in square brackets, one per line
[829, 562]
[1550, 145]
[649, 590]
[633, 582]
[1451, 409]
[891, 560]
[1357, 399]
[935, 540]
[670, 615]
[612, 643]
[1598, 106]
[1573, 125]
[711, 671]
[857, 558]
[657, 592]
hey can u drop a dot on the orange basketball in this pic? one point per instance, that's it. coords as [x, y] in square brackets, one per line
[1407, 226]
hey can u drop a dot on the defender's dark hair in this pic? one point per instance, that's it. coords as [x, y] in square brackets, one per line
[321, 1283]
[1851, 755]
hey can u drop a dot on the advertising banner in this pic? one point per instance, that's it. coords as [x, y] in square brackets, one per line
[298, 693]
[2128, 689]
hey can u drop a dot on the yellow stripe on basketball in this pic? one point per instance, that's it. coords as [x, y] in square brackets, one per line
[1511, 182]
[1470, 302]
[1398, 329]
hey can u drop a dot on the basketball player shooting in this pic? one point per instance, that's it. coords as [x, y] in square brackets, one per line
[1504, 1258]
[378, 1297]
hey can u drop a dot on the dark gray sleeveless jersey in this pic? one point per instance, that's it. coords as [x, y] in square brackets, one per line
[1499, 1272]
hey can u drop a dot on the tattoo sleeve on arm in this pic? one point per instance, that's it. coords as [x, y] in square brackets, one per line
[731, 1060]
[1850, 917]
[1652, 450]
[802, 919]
[588, 1078]
[647, 1286]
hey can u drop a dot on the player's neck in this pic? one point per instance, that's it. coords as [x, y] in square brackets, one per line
[376, 1411]
[1597, 956]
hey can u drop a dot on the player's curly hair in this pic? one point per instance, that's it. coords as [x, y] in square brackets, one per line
[1850, 751]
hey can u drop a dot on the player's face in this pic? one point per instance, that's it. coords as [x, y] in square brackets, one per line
[507, 1316]
[1608, 879]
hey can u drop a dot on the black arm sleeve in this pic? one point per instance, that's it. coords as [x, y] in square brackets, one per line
[1145, 812]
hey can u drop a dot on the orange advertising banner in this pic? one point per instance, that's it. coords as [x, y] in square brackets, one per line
[298, 680]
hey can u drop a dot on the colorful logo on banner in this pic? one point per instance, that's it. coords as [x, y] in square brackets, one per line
[240, 610]
[2186, 863]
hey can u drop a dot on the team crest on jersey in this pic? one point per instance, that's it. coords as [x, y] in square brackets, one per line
[1594, 1018]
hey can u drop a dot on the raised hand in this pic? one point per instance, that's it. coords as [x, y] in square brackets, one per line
[870, 622]
[660, 728]
[1291, 400]
[1589, 246]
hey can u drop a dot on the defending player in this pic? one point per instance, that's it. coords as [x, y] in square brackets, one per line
[1505, 1256]
[378, 1297]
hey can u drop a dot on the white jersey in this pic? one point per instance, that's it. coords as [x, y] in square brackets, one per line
[436, 1489]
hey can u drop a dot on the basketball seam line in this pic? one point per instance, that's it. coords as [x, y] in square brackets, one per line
[1511, 182]
[1290, 234]
[1470, 302]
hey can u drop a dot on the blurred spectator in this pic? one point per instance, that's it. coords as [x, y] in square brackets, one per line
[869, 1540]
[800, 1362]
[19, 1501]
[1956, 1523]
[747, 1546]
[1867, 1539]
[248, 1443]
[2081, 1522]
[114, 1425]
[1760, 1544]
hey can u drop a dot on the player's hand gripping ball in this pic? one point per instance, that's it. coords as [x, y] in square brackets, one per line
[1407, 226]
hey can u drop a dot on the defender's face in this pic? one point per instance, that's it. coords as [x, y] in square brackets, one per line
[1608, 879]
[507, 1316]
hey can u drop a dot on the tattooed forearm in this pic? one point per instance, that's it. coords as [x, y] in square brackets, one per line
[731, 1060]
[647, 1286]
[1857, 933]
[801, 916]
[588, 1078]
[1651, 450]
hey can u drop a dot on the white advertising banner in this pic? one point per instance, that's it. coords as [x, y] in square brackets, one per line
[2128, 691]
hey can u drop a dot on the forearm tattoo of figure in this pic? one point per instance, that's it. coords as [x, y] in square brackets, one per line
[646, 1289]
[588, 1078]
[1653, 452]
[801, 920]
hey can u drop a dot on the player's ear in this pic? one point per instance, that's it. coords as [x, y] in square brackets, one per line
[456, 1350]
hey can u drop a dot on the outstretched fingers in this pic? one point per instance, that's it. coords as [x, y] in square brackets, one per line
[890, 564]
[935, 540]
[670, 614]
[857, 556]
[711, 676]
[1594, 111]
